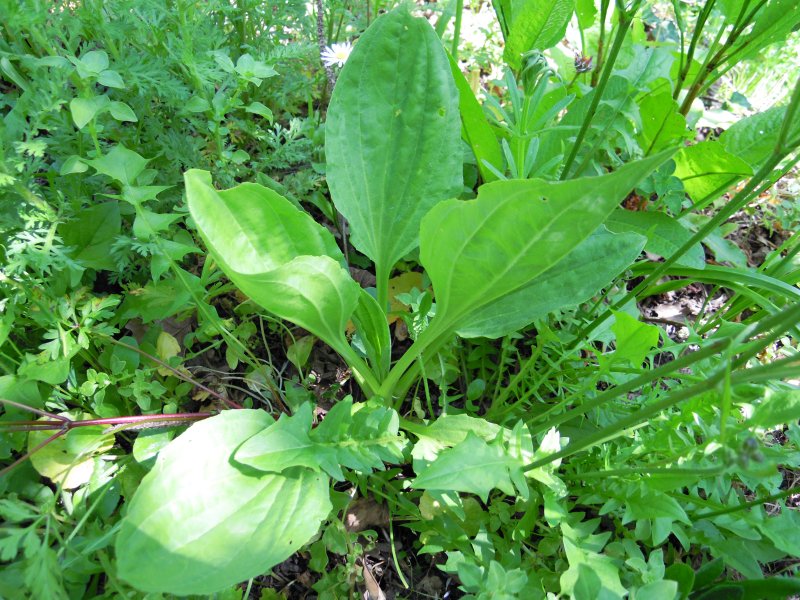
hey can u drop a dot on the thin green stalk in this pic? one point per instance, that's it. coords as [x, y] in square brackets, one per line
[625, 19]
[744, 506]
[382, 273]
[768, 372]
[696, 36]
[600, 42]
[457, 28]
[668, 471]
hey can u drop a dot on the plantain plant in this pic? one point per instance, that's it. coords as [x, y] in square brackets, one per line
[240, 492]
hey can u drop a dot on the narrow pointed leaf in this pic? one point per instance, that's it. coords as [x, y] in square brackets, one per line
[476, 129]
[198, 524]
[479, 251]
[276, 254]
[392, 139]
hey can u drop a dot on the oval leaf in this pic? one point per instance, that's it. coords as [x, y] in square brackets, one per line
[477, 252]
[537, 25]
[197, 524]
[392, 139]
[276, 254]
[588, 268]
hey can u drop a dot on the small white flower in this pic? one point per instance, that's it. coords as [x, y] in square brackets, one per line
[336, 54]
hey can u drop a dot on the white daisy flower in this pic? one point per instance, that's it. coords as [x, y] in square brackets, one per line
[336, 54]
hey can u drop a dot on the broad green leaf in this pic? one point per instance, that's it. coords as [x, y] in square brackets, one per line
[282, 445]
[664, 234]
[583, 551]
[160, 299]
[392, 139]
[658, 590]
[780, 407]
[85, 109]
[662, 124]
[683, 574]
[276, 254]
[536, 25]
[371, 434]
[120, 164]
[633, 338]
[68, 460]
[586, 11]
[110, 78]
[447, 430]
[478, 251]
[93, 62]
[773, 23]
[648, 65]
[73, 164]
[475, 128]
[589, 267]
[472, 466]
[587, 585]
[198, 524]
[122, 112]
[359, 437]
[782, 529]
[772, 588]
[707, 170]
[754, 138]
[647, 503]
[91, 235]
[259, 109]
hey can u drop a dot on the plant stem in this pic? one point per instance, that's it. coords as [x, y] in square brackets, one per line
[457, 28]
[696, 36]
[670, 471]
[599, 62]
[625, 19]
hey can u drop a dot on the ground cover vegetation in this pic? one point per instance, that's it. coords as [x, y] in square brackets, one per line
[482, 300]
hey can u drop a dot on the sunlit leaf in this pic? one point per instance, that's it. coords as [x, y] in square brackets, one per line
[199, 524]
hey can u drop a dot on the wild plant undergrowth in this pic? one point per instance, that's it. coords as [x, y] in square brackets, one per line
[509, 399]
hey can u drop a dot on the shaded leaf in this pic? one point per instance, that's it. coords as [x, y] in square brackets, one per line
[479, 251]
[589, 267]
[664, 234]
